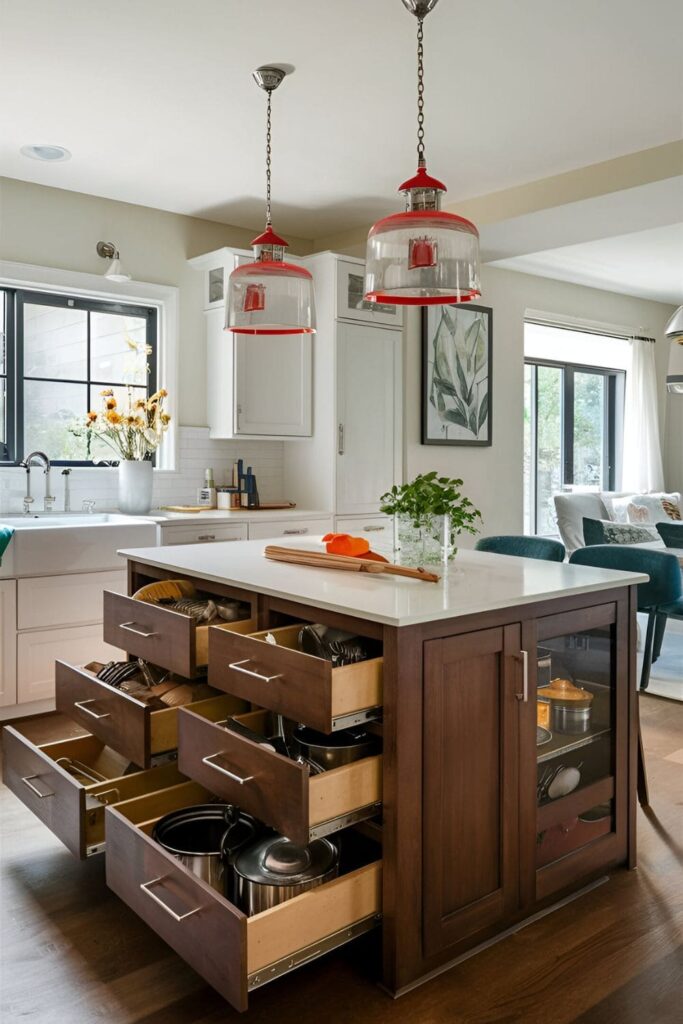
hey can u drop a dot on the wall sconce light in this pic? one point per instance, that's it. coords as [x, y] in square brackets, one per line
[116, 271]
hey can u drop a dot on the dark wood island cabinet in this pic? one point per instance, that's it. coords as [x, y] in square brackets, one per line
[485, 806]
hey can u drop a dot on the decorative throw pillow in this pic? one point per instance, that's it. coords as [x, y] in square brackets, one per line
[617, 507]
[625, 533]
[654, 504]
[672, 510]
[637, 513]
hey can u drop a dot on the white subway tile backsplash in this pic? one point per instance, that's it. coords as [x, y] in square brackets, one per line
[196, 452]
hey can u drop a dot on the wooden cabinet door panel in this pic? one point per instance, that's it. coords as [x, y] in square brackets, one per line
[470, 847]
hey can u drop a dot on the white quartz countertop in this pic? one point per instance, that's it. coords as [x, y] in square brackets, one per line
[238, 515]
[474, 582]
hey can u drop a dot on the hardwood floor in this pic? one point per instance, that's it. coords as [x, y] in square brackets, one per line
[72, 952]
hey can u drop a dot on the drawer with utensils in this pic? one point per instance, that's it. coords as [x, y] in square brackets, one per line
[161, 634]
[67, 784]
[128, 724]
[278, 790]
[269, 669]
[233, 952]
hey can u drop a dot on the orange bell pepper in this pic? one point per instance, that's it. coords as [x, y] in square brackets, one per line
[345, 544]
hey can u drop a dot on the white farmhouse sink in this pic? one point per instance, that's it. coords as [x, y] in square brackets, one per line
[57, 543]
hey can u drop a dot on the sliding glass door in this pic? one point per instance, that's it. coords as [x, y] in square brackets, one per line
[572, 429]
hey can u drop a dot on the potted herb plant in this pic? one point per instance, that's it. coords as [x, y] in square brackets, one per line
[429, 513]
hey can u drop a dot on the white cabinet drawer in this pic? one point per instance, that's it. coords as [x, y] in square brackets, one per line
[290, 528]
[48, 601]
[377, 529]
[38, 651]
[205, 534]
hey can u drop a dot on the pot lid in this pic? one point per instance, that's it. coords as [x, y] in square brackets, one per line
[276, 860]
[564, 690]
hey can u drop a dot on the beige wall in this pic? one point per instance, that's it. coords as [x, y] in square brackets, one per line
[55, 228]
[493, 476]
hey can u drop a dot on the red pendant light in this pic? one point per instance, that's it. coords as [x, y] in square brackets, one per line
[423, 256]
[269, 296]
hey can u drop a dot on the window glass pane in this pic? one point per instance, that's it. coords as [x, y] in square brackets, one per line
[118, 348]
[3, 337]
[3, 406]
[50, 409]
[549, 441]
[589, 429]
[55, 342]
[528, 450]
[100, 449]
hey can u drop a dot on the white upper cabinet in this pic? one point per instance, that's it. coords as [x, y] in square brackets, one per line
[257, 387]
[349, 301]
[368, 360]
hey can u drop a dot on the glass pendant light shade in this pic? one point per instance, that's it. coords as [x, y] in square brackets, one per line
[423, 256]
[270, 296]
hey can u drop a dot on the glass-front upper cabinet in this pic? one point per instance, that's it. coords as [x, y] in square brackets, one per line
[579, 679]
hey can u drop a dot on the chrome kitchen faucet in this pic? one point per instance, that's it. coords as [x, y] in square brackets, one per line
[48, 500]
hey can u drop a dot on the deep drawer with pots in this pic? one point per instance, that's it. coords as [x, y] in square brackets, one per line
[276, 789]
[160, 635]
[232, 952]
[121, 721]
[300, 686]
[67, 783]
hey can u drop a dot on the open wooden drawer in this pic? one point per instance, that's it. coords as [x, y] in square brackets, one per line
[160, 635]
[299, 686]
[74, 810]
[272, 787]
[128, 725]
[232, 952]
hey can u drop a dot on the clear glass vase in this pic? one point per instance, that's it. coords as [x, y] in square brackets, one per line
[424, 540]
[135, 487]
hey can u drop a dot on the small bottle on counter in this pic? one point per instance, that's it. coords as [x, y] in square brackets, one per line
[206, 495]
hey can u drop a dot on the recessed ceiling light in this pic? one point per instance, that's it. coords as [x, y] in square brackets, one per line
[49, 154]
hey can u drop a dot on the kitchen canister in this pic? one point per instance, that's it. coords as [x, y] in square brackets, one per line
[570, 706]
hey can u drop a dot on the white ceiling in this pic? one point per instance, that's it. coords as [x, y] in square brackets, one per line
[155, 99]
[648, 264]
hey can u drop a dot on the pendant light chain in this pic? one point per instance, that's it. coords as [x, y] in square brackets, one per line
[420, 95]
[268, 158]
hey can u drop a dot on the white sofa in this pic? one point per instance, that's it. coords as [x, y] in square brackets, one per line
[571, 509]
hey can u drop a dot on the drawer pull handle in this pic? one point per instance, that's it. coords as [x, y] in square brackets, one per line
[26, 779]
[80, 704]
[176, 917]
[294, 533]
[374, 529]
[206, 536]
[238, 667]
[130, 628]
[231, 775]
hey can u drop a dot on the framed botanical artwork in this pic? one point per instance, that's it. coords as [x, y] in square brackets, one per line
[457, 374]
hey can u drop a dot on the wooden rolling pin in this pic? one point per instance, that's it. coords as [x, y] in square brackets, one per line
[351, 564]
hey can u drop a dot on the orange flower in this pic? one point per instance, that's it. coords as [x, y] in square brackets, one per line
[92, 416]
[110, 403]
[106, 393]
[114, 417]
[165, 418]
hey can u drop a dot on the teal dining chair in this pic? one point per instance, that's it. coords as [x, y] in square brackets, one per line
[660, 597]
[523, 547]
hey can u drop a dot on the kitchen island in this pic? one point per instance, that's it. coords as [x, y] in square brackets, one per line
[471, 820]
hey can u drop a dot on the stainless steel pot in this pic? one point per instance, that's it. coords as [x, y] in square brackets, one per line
[334, 750]
[568, 718]
[207, 838]
[274, 869]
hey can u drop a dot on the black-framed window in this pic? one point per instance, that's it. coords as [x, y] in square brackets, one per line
[573, 419]
[59, 353]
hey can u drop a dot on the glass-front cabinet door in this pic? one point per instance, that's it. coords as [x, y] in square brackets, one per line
[574, 745]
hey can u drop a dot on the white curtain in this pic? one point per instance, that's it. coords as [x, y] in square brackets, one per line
[642, 462]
